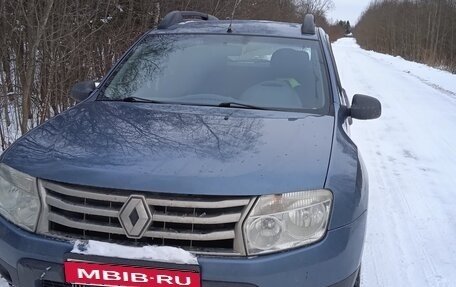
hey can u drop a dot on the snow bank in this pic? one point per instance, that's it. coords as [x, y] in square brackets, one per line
[3, 282]
[152, 253]
[441, 80]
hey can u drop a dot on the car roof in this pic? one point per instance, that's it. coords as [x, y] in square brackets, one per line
[239, 27]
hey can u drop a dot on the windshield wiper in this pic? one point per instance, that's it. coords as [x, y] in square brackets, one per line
[143, 100]
[240, 105]
[222, 105]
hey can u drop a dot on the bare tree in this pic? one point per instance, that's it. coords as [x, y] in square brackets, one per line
[426, 34]
[316, 7]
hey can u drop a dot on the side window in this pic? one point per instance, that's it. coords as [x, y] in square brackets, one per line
[342, 94]
[344, 98]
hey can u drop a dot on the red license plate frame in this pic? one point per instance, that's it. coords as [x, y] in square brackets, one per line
[120, 275]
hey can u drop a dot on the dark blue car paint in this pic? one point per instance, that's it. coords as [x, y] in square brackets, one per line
[140, 146]
[149, 147]
[121, 156]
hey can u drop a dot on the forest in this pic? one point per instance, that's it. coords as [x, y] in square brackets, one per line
[46, 46]
[417, 30]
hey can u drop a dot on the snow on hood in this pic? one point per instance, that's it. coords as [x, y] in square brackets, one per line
[152, 253]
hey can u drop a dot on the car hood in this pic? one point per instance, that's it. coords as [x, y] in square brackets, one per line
[178, 149]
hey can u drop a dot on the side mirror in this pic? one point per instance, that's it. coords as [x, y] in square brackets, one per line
[365, 108]
[82, 90]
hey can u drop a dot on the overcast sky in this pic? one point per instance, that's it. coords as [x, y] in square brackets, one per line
[348, 10]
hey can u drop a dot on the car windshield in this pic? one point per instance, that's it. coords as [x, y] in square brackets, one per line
[264, 72]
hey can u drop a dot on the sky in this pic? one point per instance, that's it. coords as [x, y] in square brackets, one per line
[348, 10]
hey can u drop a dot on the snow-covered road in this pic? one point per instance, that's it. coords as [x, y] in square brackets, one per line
[410, 154]
[411, 157]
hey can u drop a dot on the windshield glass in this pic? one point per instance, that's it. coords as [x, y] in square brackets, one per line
[267, 72]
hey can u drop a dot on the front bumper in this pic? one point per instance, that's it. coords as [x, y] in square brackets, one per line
[30, 260]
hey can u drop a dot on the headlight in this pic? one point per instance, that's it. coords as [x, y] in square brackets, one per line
[19, 200]
[284, 221]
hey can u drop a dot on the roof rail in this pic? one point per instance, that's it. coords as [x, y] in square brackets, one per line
[176, 17]
[308, 27]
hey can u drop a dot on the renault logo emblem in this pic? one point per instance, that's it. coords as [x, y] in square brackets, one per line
[135, 216]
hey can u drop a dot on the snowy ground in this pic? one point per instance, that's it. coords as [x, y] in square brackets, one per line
[411, 157]
[410, 154]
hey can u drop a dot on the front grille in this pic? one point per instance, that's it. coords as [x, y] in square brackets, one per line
[203, 224]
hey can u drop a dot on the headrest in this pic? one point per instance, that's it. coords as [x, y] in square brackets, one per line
[288, 57]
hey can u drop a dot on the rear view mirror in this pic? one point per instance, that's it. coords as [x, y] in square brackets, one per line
[82, 90]
[365, 108]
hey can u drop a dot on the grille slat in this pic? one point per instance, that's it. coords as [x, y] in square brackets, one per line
[171, 202]
[79, 192]
[224, 218]
[216, 235]
[65, 205]
[196, 223]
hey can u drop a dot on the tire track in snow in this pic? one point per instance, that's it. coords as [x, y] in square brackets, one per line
[432, 85]
[398, 183]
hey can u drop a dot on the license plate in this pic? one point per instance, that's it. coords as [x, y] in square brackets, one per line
[85, 273]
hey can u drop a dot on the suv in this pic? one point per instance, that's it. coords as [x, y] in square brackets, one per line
[226, 139]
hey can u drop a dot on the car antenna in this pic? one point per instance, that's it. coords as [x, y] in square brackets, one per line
[236, 4]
